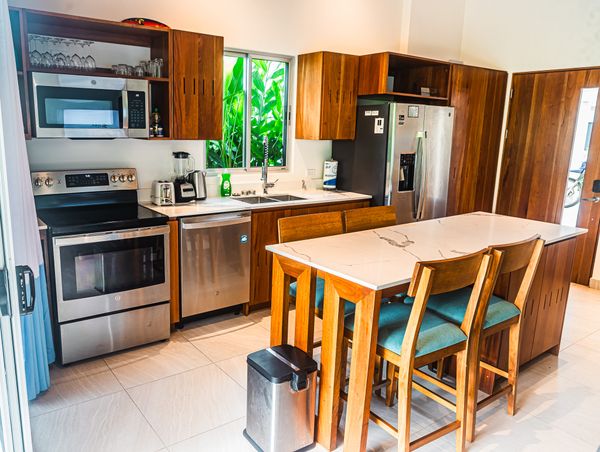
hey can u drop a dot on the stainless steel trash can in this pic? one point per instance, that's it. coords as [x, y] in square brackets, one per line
[280, 414]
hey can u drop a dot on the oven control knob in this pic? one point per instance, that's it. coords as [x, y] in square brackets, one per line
[122, 178]
[131, 177]
[49, 182]
[38, 182]
[114, 178]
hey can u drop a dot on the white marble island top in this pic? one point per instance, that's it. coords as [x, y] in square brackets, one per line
[383, 258]
[224, 205]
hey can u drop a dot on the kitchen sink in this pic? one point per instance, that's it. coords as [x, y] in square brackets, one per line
[286, 197]
[268, 199]
[256, 199]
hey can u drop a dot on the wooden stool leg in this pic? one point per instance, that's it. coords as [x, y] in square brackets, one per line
[378, 378]
[461, 399]
[513, 367]
[392, 382]
[404, 408]
[472, 392]
[343, 377]
[440, 368]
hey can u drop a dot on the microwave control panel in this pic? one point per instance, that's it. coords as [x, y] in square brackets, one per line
[136, 103]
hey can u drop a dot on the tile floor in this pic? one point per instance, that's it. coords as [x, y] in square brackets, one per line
[189, 394]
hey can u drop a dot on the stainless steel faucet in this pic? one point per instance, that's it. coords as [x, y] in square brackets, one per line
[265, 168]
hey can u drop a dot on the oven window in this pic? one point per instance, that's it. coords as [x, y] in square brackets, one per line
[93, 269]
[79, 108]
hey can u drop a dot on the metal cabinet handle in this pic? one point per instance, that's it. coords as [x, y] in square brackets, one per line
[26, 299]
[595, 199]
[184, 85]
[194, 86]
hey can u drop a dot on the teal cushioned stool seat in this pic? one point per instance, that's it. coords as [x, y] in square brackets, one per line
[453, 305]
[435, 333]
[320, 294]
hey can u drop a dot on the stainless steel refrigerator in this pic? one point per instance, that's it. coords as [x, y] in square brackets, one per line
[400, 156]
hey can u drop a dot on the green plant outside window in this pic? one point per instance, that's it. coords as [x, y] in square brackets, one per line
[250, 115]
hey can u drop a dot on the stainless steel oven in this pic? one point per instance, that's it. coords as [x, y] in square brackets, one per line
[106, 272]
[82, 106]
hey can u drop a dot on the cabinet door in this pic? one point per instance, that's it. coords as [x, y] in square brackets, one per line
[346, 123]
[210, 87]
[330, 95]
[185, 79]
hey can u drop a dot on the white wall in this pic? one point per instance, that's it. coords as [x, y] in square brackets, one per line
[274, 26]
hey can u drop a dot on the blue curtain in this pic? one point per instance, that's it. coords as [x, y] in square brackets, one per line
[36, 331]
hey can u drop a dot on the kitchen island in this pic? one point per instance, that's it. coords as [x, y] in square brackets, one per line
[364, 266]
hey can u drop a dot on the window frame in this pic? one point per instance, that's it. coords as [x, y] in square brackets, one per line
[248, 57]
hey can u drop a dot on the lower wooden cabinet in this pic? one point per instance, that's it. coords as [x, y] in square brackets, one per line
[264, 232]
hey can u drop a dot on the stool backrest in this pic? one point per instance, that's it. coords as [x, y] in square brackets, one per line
[369, 218]
[442, 276]
[312, 226]
[517, 256]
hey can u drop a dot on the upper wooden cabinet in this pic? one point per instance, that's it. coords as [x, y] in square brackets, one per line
[403, 76]
[326, 99]
[197, 86]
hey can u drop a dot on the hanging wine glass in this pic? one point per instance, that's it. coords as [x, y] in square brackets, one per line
[46, 60]
[35, 57]
[59, 59]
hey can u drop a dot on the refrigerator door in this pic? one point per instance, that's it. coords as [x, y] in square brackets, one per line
[362, 161]
[432, 192]
[406, 124]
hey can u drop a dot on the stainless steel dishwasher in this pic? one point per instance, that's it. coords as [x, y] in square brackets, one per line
[214, 255]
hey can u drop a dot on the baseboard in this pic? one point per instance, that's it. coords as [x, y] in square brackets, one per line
[595, 283]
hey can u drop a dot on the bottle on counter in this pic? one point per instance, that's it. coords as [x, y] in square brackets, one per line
[225, 184]
[330, 174]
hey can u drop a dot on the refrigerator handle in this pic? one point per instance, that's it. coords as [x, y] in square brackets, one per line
[419, 175]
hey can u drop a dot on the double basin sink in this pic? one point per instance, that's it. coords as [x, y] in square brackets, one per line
[269, 199]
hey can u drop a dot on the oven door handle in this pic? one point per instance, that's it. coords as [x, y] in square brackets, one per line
[110, 235]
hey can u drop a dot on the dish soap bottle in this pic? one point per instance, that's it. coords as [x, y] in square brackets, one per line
[225, 184]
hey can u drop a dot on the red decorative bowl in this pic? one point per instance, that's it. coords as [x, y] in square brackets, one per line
[144, 22]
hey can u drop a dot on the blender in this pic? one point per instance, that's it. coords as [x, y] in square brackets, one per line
[183, 164]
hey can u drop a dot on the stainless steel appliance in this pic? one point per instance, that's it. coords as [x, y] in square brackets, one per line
[163, 193]
[82, 106]
[215, 262]
[108, 263]
[400, 156]
[282, 387]
[198, 179]
[183, 164]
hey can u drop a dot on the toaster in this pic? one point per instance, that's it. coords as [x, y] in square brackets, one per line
[163, 193]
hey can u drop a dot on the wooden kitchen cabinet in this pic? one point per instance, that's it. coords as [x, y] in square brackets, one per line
[174, 269]
[326, 98]
[197, 86]
[264, 232]
[478, 96]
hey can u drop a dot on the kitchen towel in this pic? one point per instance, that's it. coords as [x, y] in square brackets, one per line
[38, 349]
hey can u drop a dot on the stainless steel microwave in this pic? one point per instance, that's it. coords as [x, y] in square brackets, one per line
[82, 106]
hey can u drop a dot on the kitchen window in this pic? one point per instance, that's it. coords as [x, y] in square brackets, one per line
[255, 105]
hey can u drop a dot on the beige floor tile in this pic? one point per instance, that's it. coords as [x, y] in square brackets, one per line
[227, 438]
[109, 423]
[72, 391]
[236, 368]
[61, 374]
[153, 362]
[189, 403]
[497, 431]
[228, 338]
[263, 318]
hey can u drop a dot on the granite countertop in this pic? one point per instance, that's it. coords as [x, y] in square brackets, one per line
[382, 258]
[224, 205]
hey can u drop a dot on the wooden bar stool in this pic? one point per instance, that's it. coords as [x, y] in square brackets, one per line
[499, 315]
[410, 337]
[369, 218]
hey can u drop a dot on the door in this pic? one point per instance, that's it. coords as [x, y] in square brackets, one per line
[542, 137]
[15, 434]
[185, 86]
[210, 87]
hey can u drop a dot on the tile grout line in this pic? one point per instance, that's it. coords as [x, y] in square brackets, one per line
[203, 433]
[146, 420]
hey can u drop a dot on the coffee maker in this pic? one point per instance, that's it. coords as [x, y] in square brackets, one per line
[182, 165]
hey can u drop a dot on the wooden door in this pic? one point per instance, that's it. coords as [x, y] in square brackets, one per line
[477, 95]
[537, 153]
[185, 94]
[330, 93]
[346, 121]
[210, 87]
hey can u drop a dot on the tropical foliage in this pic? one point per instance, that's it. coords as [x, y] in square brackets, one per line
[268, 107]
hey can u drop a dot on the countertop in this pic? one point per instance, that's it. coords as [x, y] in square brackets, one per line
[385, 257]
[224, 205]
